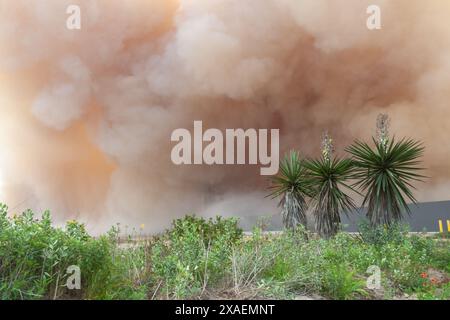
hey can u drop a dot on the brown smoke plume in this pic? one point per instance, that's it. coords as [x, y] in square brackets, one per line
[87, 114]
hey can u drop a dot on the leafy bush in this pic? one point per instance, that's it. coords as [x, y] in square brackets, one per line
[209, 231]
[436, 293]
[382, 234]
[194, 253]
[440, 255]
[340, 283]
[34, 257]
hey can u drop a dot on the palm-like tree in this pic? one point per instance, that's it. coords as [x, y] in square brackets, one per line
[386, 174]
[292, 185]
[328, 178]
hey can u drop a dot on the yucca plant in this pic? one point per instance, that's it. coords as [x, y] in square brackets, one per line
[386, 174]
[292, 186]
[328, 178]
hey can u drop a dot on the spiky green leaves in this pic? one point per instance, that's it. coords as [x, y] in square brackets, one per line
[323, 181]
[328, 180]
[386, 174]
[292, 185]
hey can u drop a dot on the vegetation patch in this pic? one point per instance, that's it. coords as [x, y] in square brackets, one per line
[200, 258]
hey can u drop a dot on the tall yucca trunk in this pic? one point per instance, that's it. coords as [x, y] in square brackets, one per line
[293, 210]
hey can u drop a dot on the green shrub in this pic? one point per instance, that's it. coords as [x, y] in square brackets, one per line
[382, 234]
[194, 253]
[341, 283]
[211, 230]
[440, 257]
[34, 257]
[436, 293]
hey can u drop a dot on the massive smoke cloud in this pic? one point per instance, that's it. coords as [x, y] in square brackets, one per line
[87, 114]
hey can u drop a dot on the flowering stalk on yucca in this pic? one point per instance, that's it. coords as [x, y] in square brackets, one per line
[328, 178]
[386, 173]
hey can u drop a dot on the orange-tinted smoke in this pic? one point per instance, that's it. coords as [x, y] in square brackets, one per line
[87, 114]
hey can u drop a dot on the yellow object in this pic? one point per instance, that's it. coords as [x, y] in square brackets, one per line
[441, 229]
[448, 225]
[142, 226]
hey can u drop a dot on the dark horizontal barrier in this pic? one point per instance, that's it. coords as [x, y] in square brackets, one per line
[425, 217]
[227, 309]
